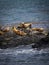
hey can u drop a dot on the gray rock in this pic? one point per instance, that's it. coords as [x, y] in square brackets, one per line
[42, 43]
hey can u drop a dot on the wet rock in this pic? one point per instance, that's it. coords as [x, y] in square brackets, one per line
[7, 41]
[42, 43]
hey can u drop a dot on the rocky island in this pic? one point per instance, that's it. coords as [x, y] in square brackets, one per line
[23, 34]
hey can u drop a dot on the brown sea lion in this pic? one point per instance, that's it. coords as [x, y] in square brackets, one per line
[18, 32]
[24, 25]
[6, 29]
[1, 32]
[38, 29]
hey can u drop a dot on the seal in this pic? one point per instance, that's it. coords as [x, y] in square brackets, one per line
[18, 32]
[38, 29]
[6, 29]
[1, 32]
[24, 25]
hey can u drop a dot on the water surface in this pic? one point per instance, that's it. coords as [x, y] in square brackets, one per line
[12, 11]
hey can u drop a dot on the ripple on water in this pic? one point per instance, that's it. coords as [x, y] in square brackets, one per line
[24, 56]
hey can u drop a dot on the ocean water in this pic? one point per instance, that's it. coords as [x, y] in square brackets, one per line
[13, 11]
[24, 55]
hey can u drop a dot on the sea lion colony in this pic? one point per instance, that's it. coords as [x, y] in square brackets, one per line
[22, 34]
[19, 30]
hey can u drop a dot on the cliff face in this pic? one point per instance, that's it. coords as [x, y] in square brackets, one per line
[10, 38]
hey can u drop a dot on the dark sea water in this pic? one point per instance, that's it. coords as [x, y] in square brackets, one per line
[24, 55]
[13, 11]
[24, 10]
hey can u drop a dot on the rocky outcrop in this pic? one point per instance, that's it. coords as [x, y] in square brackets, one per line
[42, 43]
[12, 37]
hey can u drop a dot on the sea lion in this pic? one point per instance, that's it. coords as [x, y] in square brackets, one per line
[18, 32]
[24, 25]
[38, 29]
[1, 32]
[6, 29]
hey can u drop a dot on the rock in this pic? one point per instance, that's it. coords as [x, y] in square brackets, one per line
[42, 43]
[16, 40]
